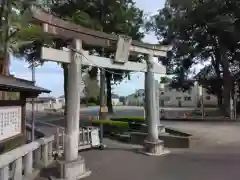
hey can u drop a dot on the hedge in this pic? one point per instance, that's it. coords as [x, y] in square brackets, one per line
[129, 119]
[111, 123]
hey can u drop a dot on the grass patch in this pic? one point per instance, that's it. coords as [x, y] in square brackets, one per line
[111, 123]
[130, 119]
[91, 104]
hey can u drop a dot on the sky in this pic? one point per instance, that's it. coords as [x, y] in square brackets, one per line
[50, 75]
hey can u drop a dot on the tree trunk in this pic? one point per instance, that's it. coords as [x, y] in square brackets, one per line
[65, 85]
[216, 66]
[4, 42]
[220, 101]
[109, 92]
[227, 81]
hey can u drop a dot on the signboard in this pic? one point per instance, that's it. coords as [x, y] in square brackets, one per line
[10, 121]
[123, 49]
[95, 137]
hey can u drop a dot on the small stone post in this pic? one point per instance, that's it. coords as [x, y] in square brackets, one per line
[152, 145]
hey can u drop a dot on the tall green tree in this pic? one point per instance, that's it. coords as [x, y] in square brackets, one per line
[110, 17]
[201, 31]
[11, 21]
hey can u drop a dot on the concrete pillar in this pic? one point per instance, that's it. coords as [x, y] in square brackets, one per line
[73, 104]
[146, 110]
[152, 145]
[161, 128]
[157, 101]
[72, 160]
[151, 102]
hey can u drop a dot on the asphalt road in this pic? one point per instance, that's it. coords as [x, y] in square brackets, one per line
[92, 112]
[118, 112]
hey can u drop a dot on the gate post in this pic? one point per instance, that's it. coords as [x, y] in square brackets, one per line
[152, 145]
[71, 160]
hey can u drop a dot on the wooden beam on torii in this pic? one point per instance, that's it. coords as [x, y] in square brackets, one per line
[68, 30]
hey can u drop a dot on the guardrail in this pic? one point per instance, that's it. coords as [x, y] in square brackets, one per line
[88, 138]
[26, 161]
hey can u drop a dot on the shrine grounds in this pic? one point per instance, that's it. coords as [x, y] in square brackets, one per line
[214, 155]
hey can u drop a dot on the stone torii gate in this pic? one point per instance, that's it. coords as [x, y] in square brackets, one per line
[73, 166]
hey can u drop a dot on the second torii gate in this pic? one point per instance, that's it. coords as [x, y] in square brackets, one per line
[73, 166]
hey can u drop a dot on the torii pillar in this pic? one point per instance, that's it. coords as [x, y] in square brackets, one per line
[152, 144]
[72, 167]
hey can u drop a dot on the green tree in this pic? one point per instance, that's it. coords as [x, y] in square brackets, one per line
[11, 22]
[201, 31]
[92, 88]
[110, 17]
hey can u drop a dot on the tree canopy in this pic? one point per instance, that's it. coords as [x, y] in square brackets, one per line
[108, 16]
[199, 31]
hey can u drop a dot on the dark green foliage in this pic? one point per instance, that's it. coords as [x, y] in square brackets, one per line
[201, 31]
[110, 17]
[110, 123]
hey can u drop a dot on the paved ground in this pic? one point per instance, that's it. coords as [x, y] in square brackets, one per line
[215, 155]
[210, 134]
[122, 163]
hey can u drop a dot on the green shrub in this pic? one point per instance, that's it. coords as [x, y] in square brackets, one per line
[91, 104]
[130, 119]
[111, 123]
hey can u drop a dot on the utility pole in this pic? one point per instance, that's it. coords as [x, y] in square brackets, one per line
[33, 103]
[103, 109]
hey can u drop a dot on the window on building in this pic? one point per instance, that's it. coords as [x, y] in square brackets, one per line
[167, 98]
[208, 97]
[162, 93]
[178, 98]
[187, 98]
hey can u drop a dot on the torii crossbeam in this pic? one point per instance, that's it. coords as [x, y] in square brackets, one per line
[73, 166]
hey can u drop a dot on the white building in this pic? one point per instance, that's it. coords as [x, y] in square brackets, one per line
[174, 98]
[191, 98]
[115, 100]
[136, 99]
[44, 103]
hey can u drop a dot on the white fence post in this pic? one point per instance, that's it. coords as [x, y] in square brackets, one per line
[4, 173]
[50, 150]
[38, 156]
[28, 162]
[45, 155]
[18, 169]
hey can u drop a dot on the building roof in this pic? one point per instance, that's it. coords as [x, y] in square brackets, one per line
[115, 96]
[8, 83]
[42, 99]
[82, 95]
